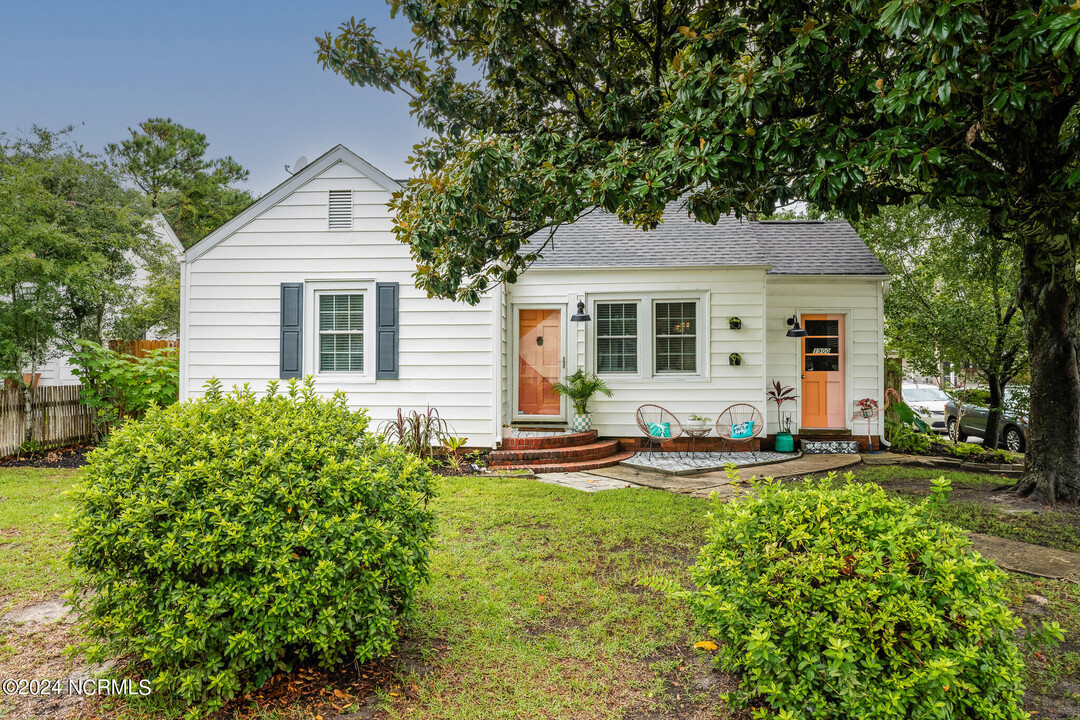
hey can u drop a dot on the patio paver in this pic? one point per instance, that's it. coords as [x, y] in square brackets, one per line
[585, 482]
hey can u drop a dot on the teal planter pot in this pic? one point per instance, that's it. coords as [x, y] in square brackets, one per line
[784, 442]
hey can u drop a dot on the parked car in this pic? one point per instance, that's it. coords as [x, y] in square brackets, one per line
[928, 401]
[973, 422]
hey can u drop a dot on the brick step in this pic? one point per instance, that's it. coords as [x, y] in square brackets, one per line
[547, 456]
[546, 442]
[572, 466]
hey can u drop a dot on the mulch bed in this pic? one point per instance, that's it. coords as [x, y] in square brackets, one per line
[349, 689]
[71, 457]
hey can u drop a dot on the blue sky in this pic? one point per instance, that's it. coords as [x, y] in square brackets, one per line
[242, 72]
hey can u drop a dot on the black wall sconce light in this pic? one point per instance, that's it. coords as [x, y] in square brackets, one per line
[580, 315]
[794, 329]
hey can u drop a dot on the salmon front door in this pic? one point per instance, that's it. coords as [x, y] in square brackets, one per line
[822, 360]
[539, 361]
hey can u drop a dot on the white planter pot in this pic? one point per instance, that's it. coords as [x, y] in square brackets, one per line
[582, 423]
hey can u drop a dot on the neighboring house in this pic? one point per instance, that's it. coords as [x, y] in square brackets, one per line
[310, 280]
[58, 369]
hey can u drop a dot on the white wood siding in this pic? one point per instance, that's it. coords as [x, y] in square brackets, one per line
[728, 292]
[232, 307]
[861, 300]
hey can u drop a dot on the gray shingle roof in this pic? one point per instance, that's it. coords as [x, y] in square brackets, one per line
[809, 247]
[600, 239]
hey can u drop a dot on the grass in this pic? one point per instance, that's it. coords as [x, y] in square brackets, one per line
[33, 510]
[536, 608]
[975, 506]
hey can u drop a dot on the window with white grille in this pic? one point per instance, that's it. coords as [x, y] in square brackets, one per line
[341, 209]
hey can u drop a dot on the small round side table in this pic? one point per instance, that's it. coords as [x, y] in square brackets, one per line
[695, 433]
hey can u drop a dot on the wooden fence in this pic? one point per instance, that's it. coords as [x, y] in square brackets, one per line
[59, 417]
[140, 348]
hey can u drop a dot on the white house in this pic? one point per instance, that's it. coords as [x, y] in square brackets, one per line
[310, 280]
[58, 369]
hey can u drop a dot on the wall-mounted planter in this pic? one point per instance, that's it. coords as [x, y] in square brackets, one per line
[734, 323]
[734, 359]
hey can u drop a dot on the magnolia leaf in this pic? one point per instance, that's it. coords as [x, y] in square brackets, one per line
[706, 645]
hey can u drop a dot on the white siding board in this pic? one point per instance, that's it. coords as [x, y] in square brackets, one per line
[445, 348]
[728, 292]
[857, 297]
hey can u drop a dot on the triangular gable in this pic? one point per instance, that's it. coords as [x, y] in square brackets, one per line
[339, 153]
[164, 230]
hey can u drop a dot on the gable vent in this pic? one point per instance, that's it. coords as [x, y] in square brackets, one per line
[341, 209]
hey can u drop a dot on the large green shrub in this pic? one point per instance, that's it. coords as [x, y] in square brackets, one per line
[837, 601]
[121, 386]
[228, 537]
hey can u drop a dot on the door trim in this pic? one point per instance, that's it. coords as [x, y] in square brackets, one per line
[512, 360]
[848, 340]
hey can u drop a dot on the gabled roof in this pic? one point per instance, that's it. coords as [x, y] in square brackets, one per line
[164, 230]
[601, 239]
[338, 153]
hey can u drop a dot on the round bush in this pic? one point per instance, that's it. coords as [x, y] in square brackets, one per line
[837, 601]
[225, 538]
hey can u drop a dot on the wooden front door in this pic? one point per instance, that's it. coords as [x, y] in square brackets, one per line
[539, 361]
[822, 360]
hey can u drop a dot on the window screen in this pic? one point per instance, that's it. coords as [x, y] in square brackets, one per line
[341, 332]
[616, 337]
[676, 337]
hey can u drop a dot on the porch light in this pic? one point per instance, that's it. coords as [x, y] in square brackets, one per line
[580, 315]
[794, 329]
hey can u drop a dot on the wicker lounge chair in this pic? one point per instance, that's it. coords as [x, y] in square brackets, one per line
[736, 415]
[655, 414]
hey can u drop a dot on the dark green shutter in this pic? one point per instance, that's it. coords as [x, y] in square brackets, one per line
[386, 331]
[291, 358]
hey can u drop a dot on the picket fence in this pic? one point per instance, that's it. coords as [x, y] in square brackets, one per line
[59, 418]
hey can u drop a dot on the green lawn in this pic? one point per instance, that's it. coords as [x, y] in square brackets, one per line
[975, 505]
[33, 510]
[535, 609]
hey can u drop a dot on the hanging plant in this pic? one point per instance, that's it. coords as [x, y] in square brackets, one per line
[734, 323]
[734, 359]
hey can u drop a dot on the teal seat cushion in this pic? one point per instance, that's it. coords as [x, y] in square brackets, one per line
[743, 430]
[660, 430]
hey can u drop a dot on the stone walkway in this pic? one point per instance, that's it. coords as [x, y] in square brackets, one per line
[704, 484]
[1027, 558]
[585, 482]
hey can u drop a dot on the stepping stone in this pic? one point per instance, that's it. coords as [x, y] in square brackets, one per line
[52, 611]
[1028, 559]
[585, 482]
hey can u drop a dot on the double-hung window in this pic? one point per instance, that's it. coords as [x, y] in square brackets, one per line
[676, 330]
[341, 332]
[617, 337]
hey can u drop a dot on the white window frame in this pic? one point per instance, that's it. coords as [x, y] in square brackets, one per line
[312, 290]
[596, 337]
[646, 302]
[699, 329]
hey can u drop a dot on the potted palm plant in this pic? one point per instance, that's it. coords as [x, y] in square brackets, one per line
[580, 387]
[780, 395]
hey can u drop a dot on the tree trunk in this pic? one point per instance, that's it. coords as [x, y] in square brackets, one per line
[28, 410]
[1050, 300]
[992, 434]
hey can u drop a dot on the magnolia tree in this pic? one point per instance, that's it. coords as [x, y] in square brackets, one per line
[542, 110]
